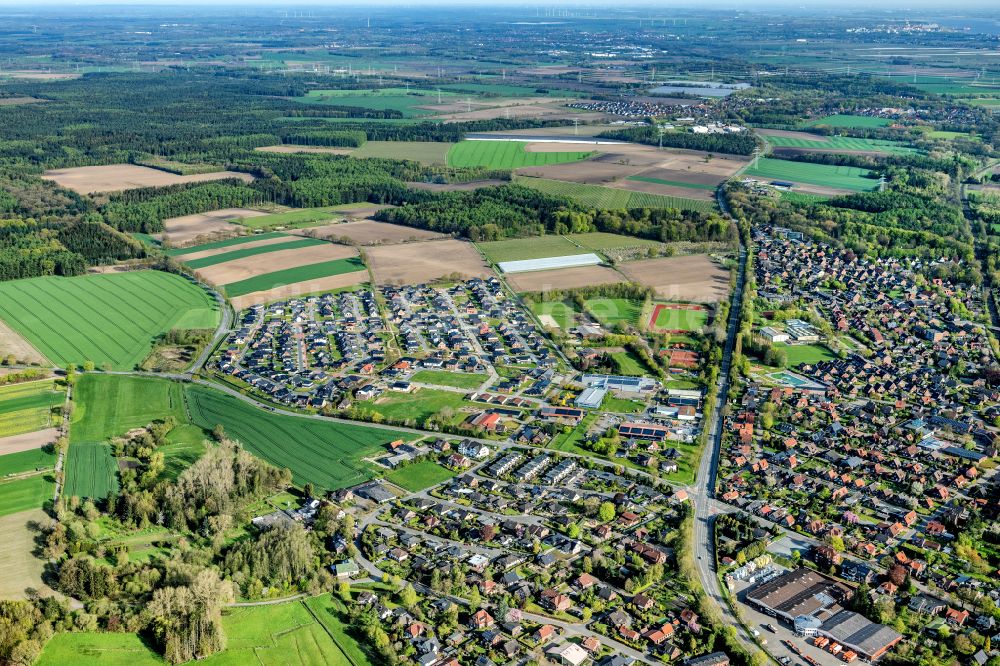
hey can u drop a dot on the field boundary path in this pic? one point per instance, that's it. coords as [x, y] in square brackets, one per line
[63, 433]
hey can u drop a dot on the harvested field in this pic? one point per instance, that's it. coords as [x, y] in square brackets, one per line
[284, 292]
[370, 232]
[415, 263]
[34, 75]
[248, 267]
[19, 568]
[550, 109]
[118, 177]
[28, 441]
[202, 254]
[695, 278]
[287, 149]
[13, 101]
[184, 230]
[12, 343]
[456, 187]
[564, 278]
[591, 172]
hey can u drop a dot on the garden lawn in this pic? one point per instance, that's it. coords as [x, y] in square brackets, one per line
[419, 475]
[31, 492]
[229, 242]
[505, 155]
[251, 251]
[841, 177]
[598, 196]
[328, 454]
[110, 319]
[293, 275]
[464, 380]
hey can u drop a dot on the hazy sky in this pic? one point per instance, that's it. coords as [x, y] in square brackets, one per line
[664, 5]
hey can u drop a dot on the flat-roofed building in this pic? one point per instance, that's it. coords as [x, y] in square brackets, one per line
[591, 398]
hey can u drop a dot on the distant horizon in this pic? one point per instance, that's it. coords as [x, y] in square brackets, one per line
[799, 6]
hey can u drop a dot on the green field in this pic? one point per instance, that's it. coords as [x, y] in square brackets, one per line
[599, 241]
[417, 406]
[229, 242]
[611, 311]
[31, 492]
[842, 143]
[27, 407]
[673, 183]
[505, 155]
[530, 248]
[322, 452]
[464, 380]
[629, 364]
[841, 177]
[805, 353]
[563, 312]
[271, 635]
[840, 120]
[27, 461]
[419, 475]
[296, 219]
[802, 197]
[107, 406]
[598, 196]
[251, 252]
[426, 152]
[110, 319]
[293, 275]
[395, 99]
[680, 320]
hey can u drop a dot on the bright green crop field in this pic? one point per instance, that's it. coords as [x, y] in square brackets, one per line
[505, 155]
[841, 143]
[229, 242]
[28, 493]
[539, 247]
[27, 461]
[841, 177]
[322, 452]
[598, 196]
[840, 120]
[293, 275]
[110, 319]
[252, 251]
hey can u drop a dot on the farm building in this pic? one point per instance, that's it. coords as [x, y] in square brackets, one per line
[549, 263]
[591, 398]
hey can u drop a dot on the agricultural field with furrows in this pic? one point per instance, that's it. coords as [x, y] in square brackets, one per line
[110, 319]
[229, 242]
[838, 177]
[25, 493]
[27, 407]
[241, 253]
[427, 152]
[598, 196]
[293, 275]
[517, 249]
[842, 143]
[325, 453]
[505, 155]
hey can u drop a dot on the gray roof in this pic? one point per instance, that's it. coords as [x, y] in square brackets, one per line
[859, 633]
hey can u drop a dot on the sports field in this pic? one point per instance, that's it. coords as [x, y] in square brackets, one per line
[839, 177]
[27, 493]
[505, 155]
[598, 196]
[293, 275]
[419, 475]
[240, 253]
[841, 143]
[797, 354]
[110, 319]
[466, 380]
[673, 317]
[229, 242]
[841, 120]
[317, 451]
[106, 406]
[518, 249]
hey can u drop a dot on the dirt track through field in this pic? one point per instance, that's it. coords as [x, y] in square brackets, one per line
[416, 263]
[564, 278]
[298, 288]
[694, 278]
[118, 177]
[270, 262]
[370, 232]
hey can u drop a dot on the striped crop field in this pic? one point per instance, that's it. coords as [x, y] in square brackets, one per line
[598, 196]
[840, 177]
[110, 319]
[240, 253]
[842, 143]
[505, 155]
[293, 275]
[229, 242]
